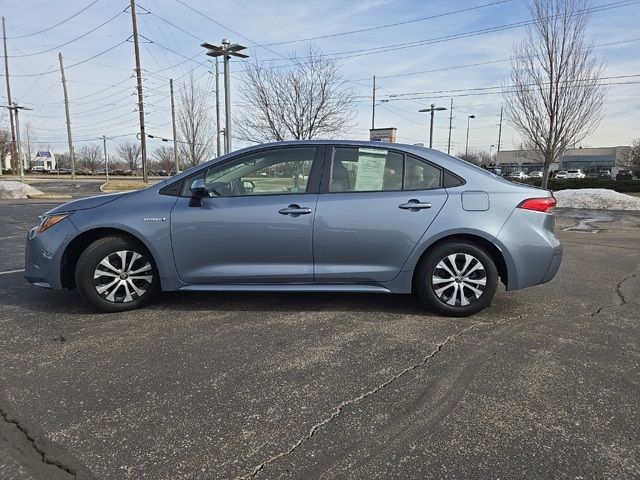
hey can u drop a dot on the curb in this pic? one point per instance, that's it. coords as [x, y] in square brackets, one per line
[50, 196]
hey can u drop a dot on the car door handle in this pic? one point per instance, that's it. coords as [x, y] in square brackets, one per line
[295, 210]
[415, 205]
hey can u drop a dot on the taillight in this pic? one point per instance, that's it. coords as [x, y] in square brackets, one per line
[544, 205]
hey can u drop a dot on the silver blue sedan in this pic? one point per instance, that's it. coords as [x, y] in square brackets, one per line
[315, 216]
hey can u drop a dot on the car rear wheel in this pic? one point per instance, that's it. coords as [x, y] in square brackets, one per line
[457, 279]
[116, 274]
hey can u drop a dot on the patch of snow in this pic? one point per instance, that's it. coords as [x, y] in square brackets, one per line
[596, 199]
[11, 189]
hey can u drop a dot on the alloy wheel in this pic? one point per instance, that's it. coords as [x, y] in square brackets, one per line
[459, 279]
[123, 276]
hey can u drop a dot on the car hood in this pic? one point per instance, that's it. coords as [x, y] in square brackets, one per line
[86, 203]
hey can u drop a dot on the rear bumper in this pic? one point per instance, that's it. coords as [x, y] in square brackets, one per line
[535, 254]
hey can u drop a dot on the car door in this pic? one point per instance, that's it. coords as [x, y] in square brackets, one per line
[375, 204]
[255, 223]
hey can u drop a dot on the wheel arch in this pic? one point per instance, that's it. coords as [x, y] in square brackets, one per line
[81, 241]
[496, 253]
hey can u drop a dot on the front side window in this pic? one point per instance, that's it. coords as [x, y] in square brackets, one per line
[377, 169]
[269, 172]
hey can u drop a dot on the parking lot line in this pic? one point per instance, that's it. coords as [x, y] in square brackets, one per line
[7, 272]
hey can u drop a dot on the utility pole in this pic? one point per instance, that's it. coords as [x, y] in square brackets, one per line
[500, 129]
[173, 123]
[373, 105]
[226, 51]
[72, 155]
[106, 159]
[143, 134]
[431, 109]
[450, 127]
[15, 108]
[217, 109]
[6, 71]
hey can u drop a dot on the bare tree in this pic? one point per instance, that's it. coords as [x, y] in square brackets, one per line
[195, 128]
[163, 156]
[302, 101]
[63, 160]
[30, 138]
[470, 156]
[634, 156]
[129, 153]
[90, 157]
[555, 98]
[5, 146]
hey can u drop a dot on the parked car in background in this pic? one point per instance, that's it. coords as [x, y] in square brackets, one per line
[61, 171]
[624, 174]
[357, 217]
[604, 174]
[577, 173]
[536, 174]
[518, 176]
[561, 174]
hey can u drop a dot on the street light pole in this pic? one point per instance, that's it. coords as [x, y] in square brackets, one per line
[466, 149]
[432, 109]
[106, 159]
[373, 105]
[173, 126]
[226, 50]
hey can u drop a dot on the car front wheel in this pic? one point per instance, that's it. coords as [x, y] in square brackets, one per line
[457, 279]
[116, 274]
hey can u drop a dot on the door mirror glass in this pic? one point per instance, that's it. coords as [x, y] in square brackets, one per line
[198, 189]
[248, 186]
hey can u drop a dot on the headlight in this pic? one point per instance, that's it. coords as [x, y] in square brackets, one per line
[48, 221]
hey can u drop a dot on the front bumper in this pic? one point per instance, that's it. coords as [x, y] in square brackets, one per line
[43, 254]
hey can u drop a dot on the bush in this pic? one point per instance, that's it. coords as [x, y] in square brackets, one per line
[577, 183]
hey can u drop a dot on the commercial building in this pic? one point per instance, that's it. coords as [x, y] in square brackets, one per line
[589, 160]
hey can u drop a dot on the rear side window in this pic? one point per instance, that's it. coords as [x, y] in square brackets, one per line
[377, 169]
[420, 175]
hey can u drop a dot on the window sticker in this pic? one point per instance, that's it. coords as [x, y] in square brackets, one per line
[370, 174]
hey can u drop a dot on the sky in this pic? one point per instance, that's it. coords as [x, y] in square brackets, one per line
[436, 50]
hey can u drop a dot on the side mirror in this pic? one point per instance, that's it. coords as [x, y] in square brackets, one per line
[198, 192]
[248, 186]
[198, 189]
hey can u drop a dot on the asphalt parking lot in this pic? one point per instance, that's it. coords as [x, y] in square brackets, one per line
[544, 384]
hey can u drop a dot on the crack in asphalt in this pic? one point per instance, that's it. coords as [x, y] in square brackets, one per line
[623, 300]
[40, 451]
[347, 403]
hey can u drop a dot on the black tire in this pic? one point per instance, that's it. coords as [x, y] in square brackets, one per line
[113, 282]
[445, 290]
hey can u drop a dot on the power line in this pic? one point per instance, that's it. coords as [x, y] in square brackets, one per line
[580, 80]
[473, 33]
[57, 24]
[388, 25]
[489, 62]
[70, 41]
[256, 44]
[170, 23]
[73, 65]
[445, 38]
